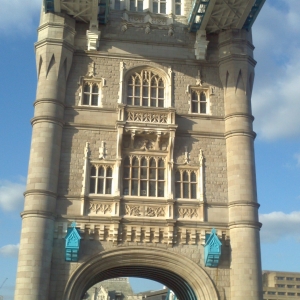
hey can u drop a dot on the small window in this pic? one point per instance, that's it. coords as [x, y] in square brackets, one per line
[136, 5]
[281, 285]
[281, 293]
[280, 278]
[101, 180]
[177, 7]
[290, 286]
[199, 102]
[291, 294]
[186, 184]
[290, 278]
[159, 6]
[117, 4]
[297, 279]
[90, 94]
[271, 293]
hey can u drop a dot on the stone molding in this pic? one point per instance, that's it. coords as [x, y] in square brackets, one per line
[49, 119]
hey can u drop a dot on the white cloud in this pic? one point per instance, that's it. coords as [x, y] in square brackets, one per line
[11, 195]
[9, 250]
[297, 157]
[278, 225]
[276, 103]
[17, 15]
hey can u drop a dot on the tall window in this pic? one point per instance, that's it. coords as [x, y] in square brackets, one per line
[177, 7]
[101, 180]
[159, 6]
[136, 5]
[198, 102]
[186, 184]
[90, 94]
[144, 176]
[145, 89]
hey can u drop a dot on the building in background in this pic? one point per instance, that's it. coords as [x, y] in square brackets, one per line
[142, 153]
[281, 285]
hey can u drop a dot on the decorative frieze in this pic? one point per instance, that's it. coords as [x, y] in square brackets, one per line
[133, 210]
[145, 211]
[185, 212]
[134, 116]
[155, 211]
[100, 208]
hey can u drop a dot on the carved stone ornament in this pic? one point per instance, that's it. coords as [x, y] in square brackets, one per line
[133, 116]
[155, 211]
[187, 212]
[147, 20]
[133, 210]
[97, 207]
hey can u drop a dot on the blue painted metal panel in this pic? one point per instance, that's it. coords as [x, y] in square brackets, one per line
[253, 14]
[72, 243]
[103, 11]
[199, 8]
[212, 250]
[49, 5]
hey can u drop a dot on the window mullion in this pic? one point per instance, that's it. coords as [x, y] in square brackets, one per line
[96, 179]
[104, 181]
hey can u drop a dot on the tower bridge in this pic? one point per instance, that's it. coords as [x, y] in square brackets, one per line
[142, 157]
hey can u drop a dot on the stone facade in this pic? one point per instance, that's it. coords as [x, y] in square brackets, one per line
[200, 152]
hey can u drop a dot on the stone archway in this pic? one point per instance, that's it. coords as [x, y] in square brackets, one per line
[184, 277]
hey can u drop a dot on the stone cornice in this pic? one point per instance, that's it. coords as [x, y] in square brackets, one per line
[37, 213]
[90, 126]
[48, 100]
[237, 57]
[231, 41]
[150, 59]
[232, 133]
[49, 119]
[239, 114]
[243, 203]
[243, 224]
[57, 42]
[39, 192]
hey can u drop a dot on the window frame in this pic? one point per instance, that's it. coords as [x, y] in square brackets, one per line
[98, 177]
[159, 3]
[138, 92]
[142, 176]
[199, 101]
[90, 93]
[182, 183]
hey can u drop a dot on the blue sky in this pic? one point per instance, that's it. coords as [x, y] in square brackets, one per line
[276, 107]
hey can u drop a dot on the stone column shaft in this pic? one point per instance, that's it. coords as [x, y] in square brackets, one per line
[54, 52]
[236, 67]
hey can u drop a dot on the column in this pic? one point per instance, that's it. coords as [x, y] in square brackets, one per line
[54, 52]
[236, 66]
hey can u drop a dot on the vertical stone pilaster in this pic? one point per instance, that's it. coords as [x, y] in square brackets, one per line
[236, 67]
[54, 53]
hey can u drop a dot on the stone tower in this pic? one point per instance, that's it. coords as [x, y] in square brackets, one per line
[142, 159]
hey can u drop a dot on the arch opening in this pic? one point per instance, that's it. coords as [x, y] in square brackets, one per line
[184, 277]
[173, 281]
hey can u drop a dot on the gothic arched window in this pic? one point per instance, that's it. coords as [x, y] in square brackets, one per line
[143, 176]
[145, 89]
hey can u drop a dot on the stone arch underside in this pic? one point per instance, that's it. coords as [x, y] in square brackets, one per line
[184, 277]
